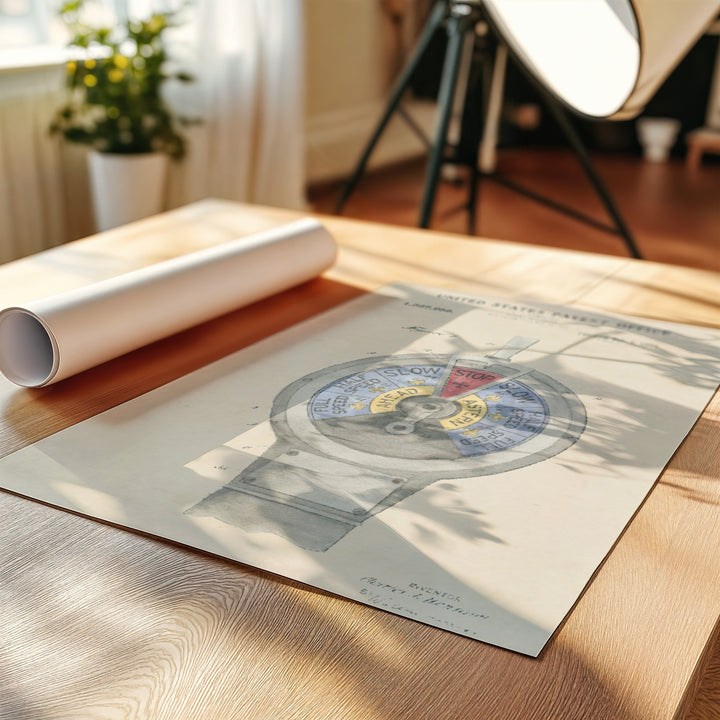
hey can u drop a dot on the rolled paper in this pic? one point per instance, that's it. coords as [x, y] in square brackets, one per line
[53, 338]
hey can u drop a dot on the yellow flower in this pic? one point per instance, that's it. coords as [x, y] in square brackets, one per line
[155, 24]
[120, 61]
[90, 80]
[71, 66]
[115, 75]
[89, 64]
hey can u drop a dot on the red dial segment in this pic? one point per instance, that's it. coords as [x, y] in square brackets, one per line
[464, 379]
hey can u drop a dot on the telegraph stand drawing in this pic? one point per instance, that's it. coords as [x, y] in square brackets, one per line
[356, 438]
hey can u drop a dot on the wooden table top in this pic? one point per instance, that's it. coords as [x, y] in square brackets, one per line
[99, 622]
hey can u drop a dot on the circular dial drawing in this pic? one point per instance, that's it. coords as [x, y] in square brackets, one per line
[451, 416]
[447, 414]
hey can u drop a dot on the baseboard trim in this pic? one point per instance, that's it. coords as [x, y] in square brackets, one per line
[335, 140]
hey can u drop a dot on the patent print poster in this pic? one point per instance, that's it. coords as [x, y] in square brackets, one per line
[463, 462]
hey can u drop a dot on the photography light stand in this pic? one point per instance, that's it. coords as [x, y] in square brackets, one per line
[460, 17]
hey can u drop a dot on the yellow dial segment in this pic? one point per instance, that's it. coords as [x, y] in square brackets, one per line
[387, 402]
[473, 409]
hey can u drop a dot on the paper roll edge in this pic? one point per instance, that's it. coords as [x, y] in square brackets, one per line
[29, 354]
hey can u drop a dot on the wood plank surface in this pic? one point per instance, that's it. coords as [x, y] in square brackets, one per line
[98, 622]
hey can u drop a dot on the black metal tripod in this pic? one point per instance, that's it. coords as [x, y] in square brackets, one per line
[460, 18]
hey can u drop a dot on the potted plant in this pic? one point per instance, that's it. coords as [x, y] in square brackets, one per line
[115, 106]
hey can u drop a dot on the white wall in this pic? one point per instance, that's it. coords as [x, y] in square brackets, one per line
[353, 55]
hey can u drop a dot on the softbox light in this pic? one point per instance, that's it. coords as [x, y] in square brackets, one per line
[602, 58]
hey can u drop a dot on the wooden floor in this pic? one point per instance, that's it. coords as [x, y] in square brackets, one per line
[673, 213]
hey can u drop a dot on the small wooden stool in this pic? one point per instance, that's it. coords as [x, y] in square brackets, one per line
[701, 141]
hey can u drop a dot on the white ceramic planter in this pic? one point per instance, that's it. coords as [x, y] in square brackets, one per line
[657, 135]
[126, 187]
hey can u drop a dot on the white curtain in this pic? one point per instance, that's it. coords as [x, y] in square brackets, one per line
[32, 205]
[248, 60]
[249, 144]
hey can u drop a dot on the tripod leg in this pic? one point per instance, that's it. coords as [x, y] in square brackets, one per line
[473, 192]
[434, 21]
[482, 128]
[456, 28]
[493, 110]
[577, 145]
[463, 86]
